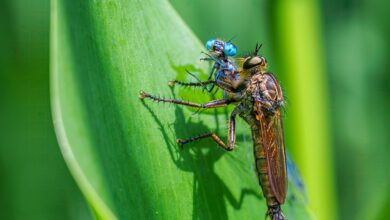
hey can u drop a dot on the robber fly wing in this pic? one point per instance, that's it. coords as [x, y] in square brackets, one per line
[271, 132]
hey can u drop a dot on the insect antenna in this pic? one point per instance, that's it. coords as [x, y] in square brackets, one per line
[234, 36]
[258, 46]
[215, 34]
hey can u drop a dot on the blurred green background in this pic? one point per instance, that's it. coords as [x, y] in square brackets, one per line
[331, 57]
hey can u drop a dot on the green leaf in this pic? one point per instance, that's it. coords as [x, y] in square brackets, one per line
[122, 151]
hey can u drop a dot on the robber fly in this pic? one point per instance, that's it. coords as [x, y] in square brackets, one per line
[258, 98]
[220, 53]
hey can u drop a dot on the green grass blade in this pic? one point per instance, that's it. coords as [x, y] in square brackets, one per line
[299, 43]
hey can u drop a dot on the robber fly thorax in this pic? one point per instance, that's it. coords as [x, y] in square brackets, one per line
[258, 98]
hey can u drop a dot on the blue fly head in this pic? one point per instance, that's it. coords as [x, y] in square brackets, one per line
[215, 47]
[230, 49]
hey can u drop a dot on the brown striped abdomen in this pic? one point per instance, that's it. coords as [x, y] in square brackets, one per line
[261, 167]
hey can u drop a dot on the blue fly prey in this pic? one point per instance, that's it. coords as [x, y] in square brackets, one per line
[220, 53]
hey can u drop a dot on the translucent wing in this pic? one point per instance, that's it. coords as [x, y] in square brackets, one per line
[271, 131]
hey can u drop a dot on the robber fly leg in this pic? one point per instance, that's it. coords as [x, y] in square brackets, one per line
[211, 135]
[212, 104]
[215, 138]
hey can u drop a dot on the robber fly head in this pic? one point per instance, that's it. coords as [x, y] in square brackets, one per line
[220, 48]
[255, 61]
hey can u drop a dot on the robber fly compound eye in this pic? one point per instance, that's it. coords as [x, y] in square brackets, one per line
[263, 61]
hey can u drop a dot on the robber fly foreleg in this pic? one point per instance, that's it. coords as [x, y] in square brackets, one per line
[212, 104]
